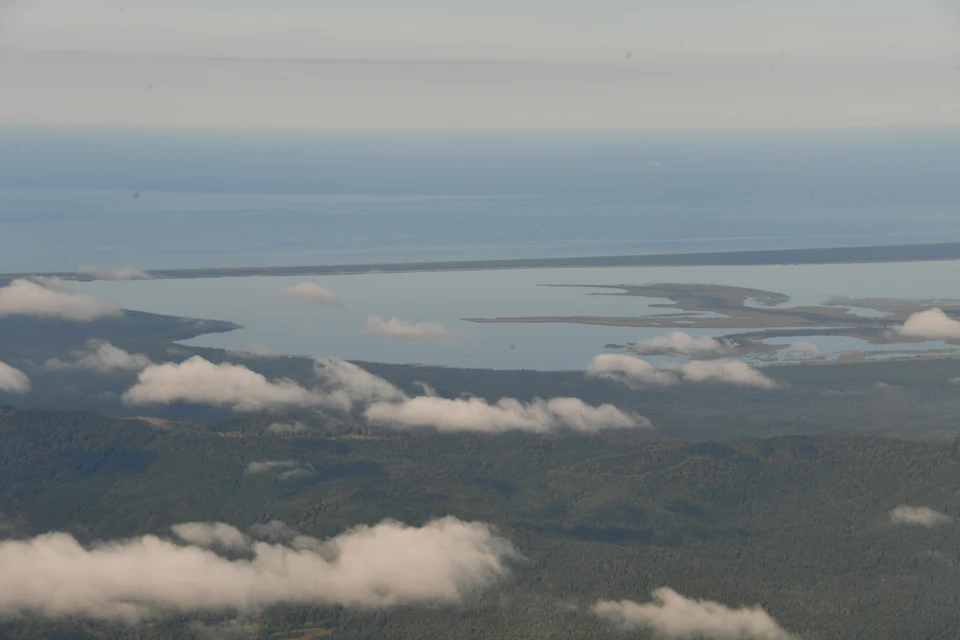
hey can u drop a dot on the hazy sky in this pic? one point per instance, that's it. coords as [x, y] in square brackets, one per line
[481, 64]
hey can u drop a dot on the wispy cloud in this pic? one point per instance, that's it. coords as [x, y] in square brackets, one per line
[51, 300]
[387, 565]
[284, 428]
[805, 348]
[13, 380]
[636, 372]
[678, 342]
[397, 328]
[211, 534]
[932, 324]
[283, 469]
[128, 272]
[476, 414]
[919, 516]
[103, 357]
[312, 293]
[674, 617]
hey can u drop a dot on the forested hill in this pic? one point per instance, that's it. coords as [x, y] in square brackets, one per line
[799, 525]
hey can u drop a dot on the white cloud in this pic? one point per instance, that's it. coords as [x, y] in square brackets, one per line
[211, 534]
[312, 293]
[103, 357]
[397, 328]
[678, 342]
[932, 324]
[13, 380]
[199, 381]
[128, 272]
[725, 371]
[23, 297]
[636, 372]
[629, 371]
[476, 414]
[920, 516]
[228, 385]
[673, 617]
[347, 384]
[389, 564]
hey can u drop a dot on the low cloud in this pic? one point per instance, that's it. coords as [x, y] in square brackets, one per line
[638, 373]
[919, 516]
[476, 414]
[312, 293]
[128, 272]
[343, 385]
[13, 380]
[724, 371]
[678, 342]
[932, 324]
[102, 357]
[387, 565]
[674, 617]
[226, 385]
[283, 469]
[196, 380]
[397, 328]
[347, 384]
[630, 371]
[48, 300]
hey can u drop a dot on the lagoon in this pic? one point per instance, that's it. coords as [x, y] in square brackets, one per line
[293, 327]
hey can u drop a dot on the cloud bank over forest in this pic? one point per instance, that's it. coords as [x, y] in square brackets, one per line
[342, 385]
[932, 324]
[390, 564]
[674, 617]
[508, 414]
[637, 373]
[51, 299]
[13, 380]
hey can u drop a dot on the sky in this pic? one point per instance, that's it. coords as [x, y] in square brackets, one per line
[481, 64]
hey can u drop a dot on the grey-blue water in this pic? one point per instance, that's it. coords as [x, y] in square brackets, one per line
[292, 327]
[189, 199]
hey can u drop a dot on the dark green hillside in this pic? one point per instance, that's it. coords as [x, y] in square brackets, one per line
[797, 524]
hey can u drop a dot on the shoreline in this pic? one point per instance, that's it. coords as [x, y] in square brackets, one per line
[933, 252]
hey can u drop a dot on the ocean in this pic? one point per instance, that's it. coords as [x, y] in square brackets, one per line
[71, 198]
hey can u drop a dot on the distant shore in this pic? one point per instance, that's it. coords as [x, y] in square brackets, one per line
[829, 255]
